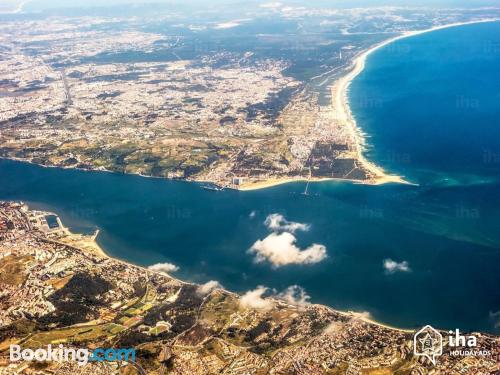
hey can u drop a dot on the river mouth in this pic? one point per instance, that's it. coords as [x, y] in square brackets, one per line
[207, 235]
[407, 255]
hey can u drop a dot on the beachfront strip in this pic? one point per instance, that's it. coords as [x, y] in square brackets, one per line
[57, 287]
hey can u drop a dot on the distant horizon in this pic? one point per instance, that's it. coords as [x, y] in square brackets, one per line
[41, 5]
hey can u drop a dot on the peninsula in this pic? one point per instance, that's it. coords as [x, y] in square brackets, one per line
[241, 120]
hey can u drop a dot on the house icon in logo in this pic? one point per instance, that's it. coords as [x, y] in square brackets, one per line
[428, 342]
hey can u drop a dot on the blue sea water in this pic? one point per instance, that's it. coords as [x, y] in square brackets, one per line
[430, 107]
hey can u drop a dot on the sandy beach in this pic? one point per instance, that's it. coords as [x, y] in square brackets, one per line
[342, 113]
[264, 184]
[340, 101]
[257, 185]
[84, 242]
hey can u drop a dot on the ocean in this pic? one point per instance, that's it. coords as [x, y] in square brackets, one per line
[407, 255]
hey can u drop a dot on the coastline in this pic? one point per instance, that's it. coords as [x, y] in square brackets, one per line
[88, 244]
[342, 113]
[340, 100]
[265, 184]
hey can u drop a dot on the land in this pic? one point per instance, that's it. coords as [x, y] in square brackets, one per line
[57, 287]
[184, 101]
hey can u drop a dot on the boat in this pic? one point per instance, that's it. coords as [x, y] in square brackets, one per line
[212, 187]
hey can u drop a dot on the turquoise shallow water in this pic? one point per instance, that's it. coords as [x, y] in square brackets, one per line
[446, 229]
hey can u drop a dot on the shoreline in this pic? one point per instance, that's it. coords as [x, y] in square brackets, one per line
[90, 245]
[257, 185]
[265, 184]
[343, 113]
[341, 105]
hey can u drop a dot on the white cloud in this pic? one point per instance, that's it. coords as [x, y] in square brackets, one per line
[280, 249]
[336, 327]
[227, 25]
[271, 5]
[333, 328]
[252, 214]
[363, 315]
[164, 267]
[196, 28]
[278, 223]
[330, 22]
[295, 295]
[253, 299]
[392, 266]
[206, 288]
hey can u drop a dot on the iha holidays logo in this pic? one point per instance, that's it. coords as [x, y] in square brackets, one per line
[429, 342]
